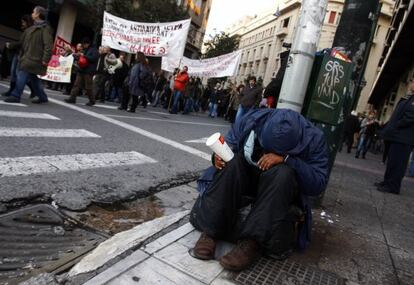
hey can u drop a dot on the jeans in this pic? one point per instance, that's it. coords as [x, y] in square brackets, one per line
[240, 112]
[411, 166]
[212, 109]
[13, 69]
[363, 145]
[156, 95]
[116, 94]
[22, 78]
[177, 95]
[188, 105]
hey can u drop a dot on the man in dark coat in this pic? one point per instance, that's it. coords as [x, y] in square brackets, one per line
[399, 132]
[280, 159]
[351, 127]
[35, 53]
[249, 98]
[84, 77]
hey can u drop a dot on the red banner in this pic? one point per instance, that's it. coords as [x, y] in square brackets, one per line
[60, 45]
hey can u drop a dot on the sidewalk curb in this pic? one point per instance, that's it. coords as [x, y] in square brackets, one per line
[108, 252]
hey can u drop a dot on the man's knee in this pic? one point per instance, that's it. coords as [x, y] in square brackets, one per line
[281, 173]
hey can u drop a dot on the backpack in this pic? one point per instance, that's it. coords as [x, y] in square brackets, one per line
[146, 81]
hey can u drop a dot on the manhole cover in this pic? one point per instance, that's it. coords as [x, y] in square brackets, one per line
[41, 239]
[268, 271]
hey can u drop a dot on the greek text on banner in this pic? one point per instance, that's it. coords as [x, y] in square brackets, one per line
[153, 39]
[59, 69]
[220, 66]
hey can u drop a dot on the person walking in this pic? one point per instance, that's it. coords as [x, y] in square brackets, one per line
[87, 60]
[180, 81]
[35, 53]
[234, 102]
[139, 71]
[249, 98]
[399, 132]
[215, 96]
[26, 22]
[118, 78]
[159, 88]
[368, 130]
[351, 127]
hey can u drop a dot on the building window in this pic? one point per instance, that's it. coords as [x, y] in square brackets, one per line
[285, 23]
[377, 31]
[338, 18]
[332, 16]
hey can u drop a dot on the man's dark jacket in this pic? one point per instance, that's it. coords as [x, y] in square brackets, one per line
[285, 132]
[251, 96]
[400, 127]
[36, 48]
[352, 125]
[92, 55]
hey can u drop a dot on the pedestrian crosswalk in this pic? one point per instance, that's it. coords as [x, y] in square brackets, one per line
[27, 115]
[49, 133]
[62, 162]
[13, 104]
[17, 166]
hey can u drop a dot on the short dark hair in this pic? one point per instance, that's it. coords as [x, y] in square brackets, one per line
[253, 78]
[42, 12]
[28, 19]
[86, 40]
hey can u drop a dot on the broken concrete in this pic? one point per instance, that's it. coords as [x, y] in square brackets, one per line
[122, 242]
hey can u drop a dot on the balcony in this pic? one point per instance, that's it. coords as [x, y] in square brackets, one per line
[281, 32]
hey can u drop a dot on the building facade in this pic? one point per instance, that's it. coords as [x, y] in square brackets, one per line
[377, 48]
[395, 67]
[262, 37]
[199, 11]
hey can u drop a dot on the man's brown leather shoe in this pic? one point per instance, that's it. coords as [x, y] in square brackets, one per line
[240, 257]
[205, 247]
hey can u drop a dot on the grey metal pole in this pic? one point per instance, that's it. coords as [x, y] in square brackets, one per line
[302, 54]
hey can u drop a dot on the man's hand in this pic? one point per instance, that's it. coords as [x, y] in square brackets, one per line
[269, 160]
[218, 162]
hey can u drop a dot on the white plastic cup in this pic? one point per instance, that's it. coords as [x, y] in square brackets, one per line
[220, 147]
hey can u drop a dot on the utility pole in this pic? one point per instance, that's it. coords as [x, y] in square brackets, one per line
[302, 54]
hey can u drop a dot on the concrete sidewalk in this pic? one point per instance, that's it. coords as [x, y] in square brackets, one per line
[359, 236]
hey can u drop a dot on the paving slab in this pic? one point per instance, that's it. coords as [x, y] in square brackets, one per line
[122, 242]
[177, 256]
[153, 271]
[118, 268]
[357, 258]
[167, 239]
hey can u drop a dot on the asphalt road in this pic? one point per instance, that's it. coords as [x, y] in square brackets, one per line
[76, 154]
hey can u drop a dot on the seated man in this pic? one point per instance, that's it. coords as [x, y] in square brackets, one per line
[280, 159]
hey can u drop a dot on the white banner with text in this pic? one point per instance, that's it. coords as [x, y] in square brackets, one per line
[220, 66]
[153, 39]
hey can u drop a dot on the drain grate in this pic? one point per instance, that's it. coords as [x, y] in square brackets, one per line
[269, 271]
[41, 239]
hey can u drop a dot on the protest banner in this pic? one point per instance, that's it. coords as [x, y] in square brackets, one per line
[220, 66]
[60, 45]
[59, 69]
[153, 39]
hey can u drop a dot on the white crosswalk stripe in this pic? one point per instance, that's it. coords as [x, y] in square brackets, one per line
[27, 115]
[201, 140]
[52, 133]
[13, 104]
[17, 166]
